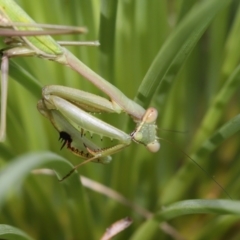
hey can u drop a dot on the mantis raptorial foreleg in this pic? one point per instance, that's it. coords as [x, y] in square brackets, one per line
[68, 109]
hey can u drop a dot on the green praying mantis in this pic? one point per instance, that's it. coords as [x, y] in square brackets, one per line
[69, 110]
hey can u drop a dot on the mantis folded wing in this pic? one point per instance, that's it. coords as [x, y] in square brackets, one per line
[68, 109]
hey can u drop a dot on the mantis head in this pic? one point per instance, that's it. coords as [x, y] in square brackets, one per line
[145, 132]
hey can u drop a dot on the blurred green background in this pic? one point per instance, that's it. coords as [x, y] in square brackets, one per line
[181, 57]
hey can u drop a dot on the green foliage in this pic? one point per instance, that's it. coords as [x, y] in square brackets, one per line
[181, 57]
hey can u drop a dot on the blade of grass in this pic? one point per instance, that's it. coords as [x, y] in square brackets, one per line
[12, 233]
[176, 49]
[25, 79]
[149, 228]
[107, 38]
[232, 47]
[215, 110]
[16, 171]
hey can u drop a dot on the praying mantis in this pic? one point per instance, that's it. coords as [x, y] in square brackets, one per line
[69, 110]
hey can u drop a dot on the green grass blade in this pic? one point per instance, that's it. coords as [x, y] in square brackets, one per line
[150, 227]
[19, 168]
[176, 49]
[215, 111]
[25, 79]
[107, 38]
[198, 207]
[12, 233]
[232, 47]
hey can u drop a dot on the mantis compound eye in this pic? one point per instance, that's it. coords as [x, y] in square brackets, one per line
[153, 146]
[150, 115]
